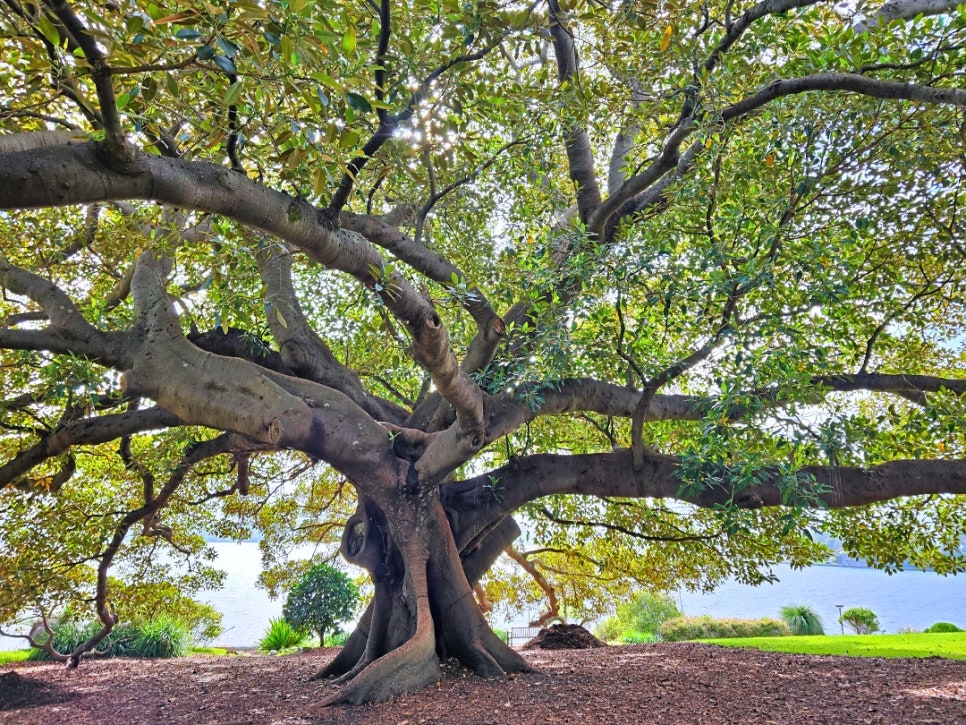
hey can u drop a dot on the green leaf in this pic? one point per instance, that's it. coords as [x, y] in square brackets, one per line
[358, 102]
[225, 64]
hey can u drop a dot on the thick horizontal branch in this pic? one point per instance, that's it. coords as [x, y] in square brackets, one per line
[82, 173]
[613, 475]
[67, 330]
[847, 82]
[88, 431]
[904, 10]
[585, 395]
[15, 142]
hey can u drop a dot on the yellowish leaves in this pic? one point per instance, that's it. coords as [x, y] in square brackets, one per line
[666, 39]
[769, 160]
[175, 18]
[349, 40]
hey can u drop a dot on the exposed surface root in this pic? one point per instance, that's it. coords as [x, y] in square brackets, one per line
[410, 667]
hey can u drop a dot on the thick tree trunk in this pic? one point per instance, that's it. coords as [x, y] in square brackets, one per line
[423, 610]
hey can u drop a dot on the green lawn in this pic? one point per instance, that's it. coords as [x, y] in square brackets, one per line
[950, 646]
[20, 655]
[209, 651]
[17, 655]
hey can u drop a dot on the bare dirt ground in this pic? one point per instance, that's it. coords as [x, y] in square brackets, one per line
[657, 683]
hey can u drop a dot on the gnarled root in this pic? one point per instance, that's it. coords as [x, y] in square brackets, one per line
[412, 666]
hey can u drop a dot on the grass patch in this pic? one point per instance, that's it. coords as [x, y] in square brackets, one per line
[950, 646]
[17, 655]
[208, 651]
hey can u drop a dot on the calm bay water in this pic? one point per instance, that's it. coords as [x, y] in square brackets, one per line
[910, 599]
[907, 599]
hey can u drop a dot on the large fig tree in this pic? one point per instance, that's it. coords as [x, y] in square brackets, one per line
[672, 285]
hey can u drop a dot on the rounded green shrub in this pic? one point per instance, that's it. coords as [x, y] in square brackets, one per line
[940, 627]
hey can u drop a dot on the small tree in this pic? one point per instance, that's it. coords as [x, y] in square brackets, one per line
[321, 600]
[802, 619]
[642, 614]
[860, 620]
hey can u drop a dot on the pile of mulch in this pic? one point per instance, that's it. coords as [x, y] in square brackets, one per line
[564, 636]
[658, 684]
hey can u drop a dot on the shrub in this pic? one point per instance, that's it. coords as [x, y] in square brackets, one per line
[940, 627]
[638, 637]
[802, 619]
[336, 639]
[68, 634]
[860, 620]
[162, 637]
[642, 614]
[688, 628]
[280, 635]
[323, 598]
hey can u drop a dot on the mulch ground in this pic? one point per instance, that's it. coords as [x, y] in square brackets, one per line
[652, 683]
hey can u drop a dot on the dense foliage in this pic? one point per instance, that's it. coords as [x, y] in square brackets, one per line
[681, 629]
[642, 614]
[324, 598]
[160, 637]
[678, 288]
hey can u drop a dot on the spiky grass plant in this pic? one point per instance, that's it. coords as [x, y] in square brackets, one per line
[161, 637]
[802, 620]
[280, 635]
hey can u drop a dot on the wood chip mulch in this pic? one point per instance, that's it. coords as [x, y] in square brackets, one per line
[682, 683]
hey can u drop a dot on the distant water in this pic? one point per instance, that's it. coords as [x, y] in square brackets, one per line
[909, 599]
[906, 599]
